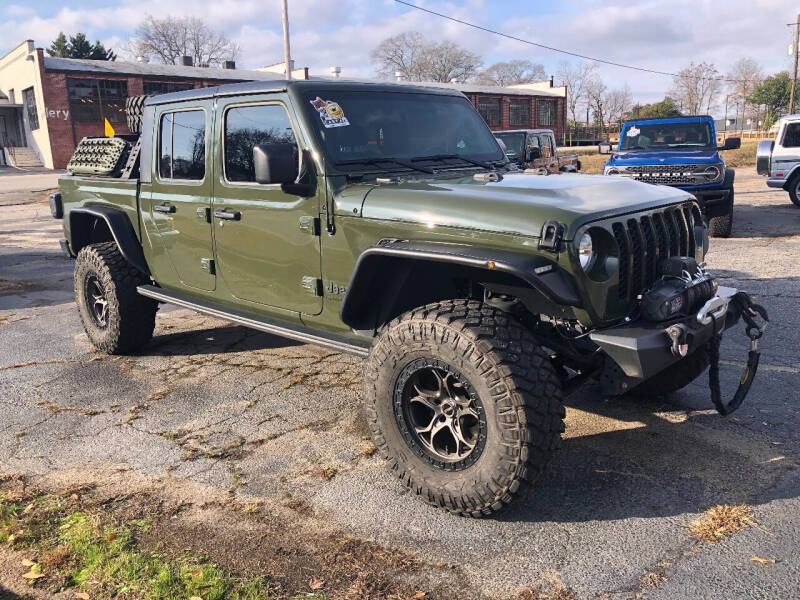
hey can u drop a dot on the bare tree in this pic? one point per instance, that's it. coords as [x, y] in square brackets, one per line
[416, 59]
[596, 92]
[695, 87]
[167, 40]
[618, 103]
[511, 73]
[577, 79]
[744, 76]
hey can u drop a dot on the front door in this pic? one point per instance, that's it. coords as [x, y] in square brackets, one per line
[267, 246]
[179, 205]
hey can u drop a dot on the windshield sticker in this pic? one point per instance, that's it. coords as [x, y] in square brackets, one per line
[633, 131]
[330, 113]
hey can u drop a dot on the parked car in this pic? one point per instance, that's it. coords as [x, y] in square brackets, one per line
[779, 159]
[680, 152]
[383, 220]
[536, 148]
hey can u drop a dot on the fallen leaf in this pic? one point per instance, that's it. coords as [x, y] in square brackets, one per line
[33, 574]
[73, 497]
[82, 596]
[418, 596]
[195, 598]
[763, 561]
[11, 538]
[26, 562]
[315, 583]
[28, 509]
[196, 574]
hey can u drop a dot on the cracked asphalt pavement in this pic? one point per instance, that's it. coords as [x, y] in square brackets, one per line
[209, 409]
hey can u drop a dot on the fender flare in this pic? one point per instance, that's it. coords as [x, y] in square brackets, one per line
[727, 181]
[120, 227]
[552, 282]
[793, 173]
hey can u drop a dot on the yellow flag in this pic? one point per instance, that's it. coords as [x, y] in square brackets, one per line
[109, 130]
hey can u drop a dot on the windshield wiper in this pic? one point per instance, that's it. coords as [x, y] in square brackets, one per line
[453, 156]
[637, 148]
[376, 161]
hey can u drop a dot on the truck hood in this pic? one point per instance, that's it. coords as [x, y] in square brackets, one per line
[665, 157]
[519, 204]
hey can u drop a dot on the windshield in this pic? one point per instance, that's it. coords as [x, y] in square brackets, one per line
[515, 143]
[645, 136]
[369, 130]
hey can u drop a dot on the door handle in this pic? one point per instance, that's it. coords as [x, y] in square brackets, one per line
[229, 215]
[165, 208]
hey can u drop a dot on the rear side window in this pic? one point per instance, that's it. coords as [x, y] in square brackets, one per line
[791, 139]
[182, 145]
[248, 126]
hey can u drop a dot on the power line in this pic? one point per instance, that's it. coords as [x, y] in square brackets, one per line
[559, 50]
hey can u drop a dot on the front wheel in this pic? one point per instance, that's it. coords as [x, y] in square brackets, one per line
[463, 403]
[722, 225]
[116, 318]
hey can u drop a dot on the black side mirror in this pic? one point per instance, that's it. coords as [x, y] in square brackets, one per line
[535, 153]
[604, 148]
[732, 143]
[275, 163]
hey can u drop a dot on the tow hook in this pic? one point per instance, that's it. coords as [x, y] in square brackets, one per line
[677, 336]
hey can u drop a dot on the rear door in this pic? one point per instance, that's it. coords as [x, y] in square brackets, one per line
[179, 203]
[266, 241]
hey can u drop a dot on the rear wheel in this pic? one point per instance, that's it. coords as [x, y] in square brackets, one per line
[116, 318]
[794, 191]
[463, 403]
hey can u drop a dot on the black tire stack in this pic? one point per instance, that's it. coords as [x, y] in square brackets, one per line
[134, 106]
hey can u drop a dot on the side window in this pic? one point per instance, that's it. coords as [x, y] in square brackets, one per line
[791, 138]
[547, 149]
[248, 126]
[182, 145]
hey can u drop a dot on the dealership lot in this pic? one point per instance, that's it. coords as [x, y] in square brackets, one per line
[211, 417]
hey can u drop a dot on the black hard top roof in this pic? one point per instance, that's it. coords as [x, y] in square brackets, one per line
[280, 85]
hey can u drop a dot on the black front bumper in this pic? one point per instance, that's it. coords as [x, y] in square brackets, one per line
[639, 350]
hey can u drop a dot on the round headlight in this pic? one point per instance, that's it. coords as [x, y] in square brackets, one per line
[612, 171]
[585, 251]
[711, 173]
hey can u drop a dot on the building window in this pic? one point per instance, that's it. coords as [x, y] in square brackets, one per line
[489, 109]
[519, 112]
[153, 88]
[92, 100]
[248, 126]
[182, 145]
[546, 113]
[29, 100]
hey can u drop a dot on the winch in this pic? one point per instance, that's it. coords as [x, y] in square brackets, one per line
[683, 288]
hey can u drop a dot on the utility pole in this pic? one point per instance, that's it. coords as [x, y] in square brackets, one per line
[287, 53]
[796, 26]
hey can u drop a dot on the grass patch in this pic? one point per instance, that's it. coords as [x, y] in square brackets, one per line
[721, 521]
[81, 549]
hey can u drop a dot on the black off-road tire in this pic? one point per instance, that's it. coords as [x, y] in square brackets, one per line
[134, 106]
[512, 376]
[130, 317]
[721, 226]
[794, 190]
[675, 377]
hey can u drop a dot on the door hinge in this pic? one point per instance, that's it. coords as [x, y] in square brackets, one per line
[313, 285]
[207, 264]
[310, 225]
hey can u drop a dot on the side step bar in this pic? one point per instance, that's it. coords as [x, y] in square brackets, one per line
[287, 330]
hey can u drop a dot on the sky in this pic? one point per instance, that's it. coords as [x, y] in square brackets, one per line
[663, 35]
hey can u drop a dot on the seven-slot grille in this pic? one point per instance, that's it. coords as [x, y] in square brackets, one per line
[644, 240]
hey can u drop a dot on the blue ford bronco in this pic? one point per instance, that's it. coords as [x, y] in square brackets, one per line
[681, 152]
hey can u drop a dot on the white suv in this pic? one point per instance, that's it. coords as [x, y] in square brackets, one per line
[779, 159]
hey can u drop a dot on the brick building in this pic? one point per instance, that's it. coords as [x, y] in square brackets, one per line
[48, 104]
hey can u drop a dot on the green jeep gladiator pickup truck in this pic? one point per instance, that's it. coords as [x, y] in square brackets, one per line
[384, 220]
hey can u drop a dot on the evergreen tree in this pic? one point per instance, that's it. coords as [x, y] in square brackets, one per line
[59, 47]
[79, 47]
